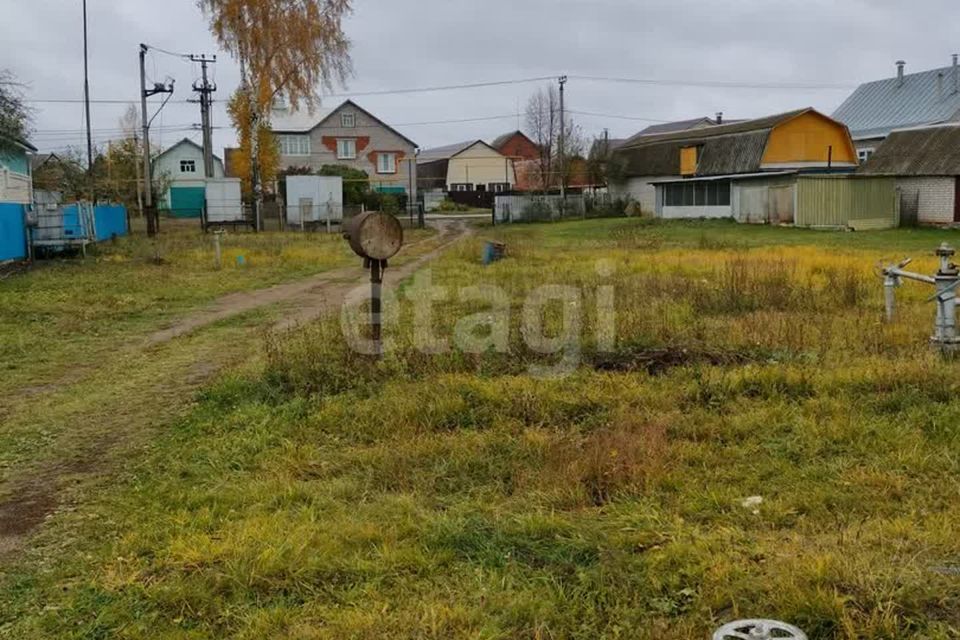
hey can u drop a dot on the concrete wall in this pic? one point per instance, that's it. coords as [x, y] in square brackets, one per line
[640, 190]
[935, 204]
[371, 137]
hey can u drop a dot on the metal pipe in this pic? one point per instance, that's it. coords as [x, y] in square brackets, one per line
[890, 284]
[909, 275]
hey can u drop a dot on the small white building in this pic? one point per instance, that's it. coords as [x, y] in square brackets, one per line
[182, 166]
[466, 166]
[925, 161]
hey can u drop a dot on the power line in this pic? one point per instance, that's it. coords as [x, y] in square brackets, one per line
[617, 117]
[186, 56]
[716, 84]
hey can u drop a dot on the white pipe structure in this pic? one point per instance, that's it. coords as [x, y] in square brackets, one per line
[946, 281]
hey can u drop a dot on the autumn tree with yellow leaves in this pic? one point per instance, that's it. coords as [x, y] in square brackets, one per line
[285, 47]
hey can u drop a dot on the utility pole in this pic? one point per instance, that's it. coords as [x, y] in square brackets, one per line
[563, 133]
[205, 89]
[153, 218]
[86, 102]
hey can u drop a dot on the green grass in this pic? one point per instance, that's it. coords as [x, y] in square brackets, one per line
[65, 313]
[323, 495]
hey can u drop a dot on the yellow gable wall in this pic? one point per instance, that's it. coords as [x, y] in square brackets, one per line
[479, 165]
[807, 138]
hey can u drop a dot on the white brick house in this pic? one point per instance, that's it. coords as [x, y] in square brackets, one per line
[926, 164]
[346, 135]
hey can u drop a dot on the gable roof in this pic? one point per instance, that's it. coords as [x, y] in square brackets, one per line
[287, 121]
[925, 151]
[187, 141]
[499, 141]
[37, 160]
[876, 108]
[732, 148]
[449, 151]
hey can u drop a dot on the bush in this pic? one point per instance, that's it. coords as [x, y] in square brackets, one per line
[449, 205]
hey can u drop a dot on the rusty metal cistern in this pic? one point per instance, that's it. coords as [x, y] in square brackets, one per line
[376, 237]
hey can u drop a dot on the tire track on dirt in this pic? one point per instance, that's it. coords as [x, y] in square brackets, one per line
[37, 492]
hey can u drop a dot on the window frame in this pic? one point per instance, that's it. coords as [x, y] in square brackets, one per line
[381, 155]
[864, 154]
[343, 156]
[344, 120]
[294, 144]
[188, 163]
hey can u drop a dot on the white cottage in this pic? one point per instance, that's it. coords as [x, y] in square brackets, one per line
[182, 166]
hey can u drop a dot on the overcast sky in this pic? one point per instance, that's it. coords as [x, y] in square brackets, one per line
[399, 44]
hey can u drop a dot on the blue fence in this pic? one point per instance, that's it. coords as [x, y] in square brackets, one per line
[13, 236]
[110, 220]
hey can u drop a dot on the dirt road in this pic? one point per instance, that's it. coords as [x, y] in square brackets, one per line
[124, 402]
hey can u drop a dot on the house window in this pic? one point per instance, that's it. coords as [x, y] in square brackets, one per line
[864, 154]
[713, 193]
[188, 166]
[461, 187]
[499, 187]
[294, 145]
[386, 163]
[348, 120]
[346, 148]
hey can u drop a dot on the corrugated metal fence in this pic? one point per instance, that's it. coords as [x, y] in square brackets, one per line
[13, 234]
[847, 201]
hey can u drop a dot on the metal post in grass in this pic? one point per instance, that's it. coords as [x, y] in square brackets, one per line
[946, 281]
[218, 259]
[376, 237]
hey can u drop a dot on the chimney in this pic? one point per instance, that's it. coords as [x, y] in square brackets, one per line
[900, 65]
[956, 74]
[720, 116]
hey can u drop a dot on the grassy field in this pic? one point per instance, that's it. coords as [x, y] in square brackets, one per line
[320, 494]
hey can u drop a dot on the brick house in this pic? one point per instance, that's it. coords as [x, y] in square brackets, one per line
[525, 155]
[926, 164]
[346, 135]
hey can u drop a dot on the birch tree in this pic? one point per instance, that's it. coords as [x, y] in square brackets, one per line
[288, 47]
[543, 127]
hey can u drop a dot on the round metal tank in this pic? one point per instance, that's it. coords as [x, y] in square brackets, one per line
[374, 235]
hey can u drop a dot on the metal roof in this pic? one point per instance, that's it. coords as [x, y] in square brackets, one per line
[284, 120]
[876, 108]
[450, 150]
[926, 151]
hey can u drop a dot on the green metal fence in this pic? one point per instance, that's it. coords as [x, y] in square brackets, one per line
[847, 201]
